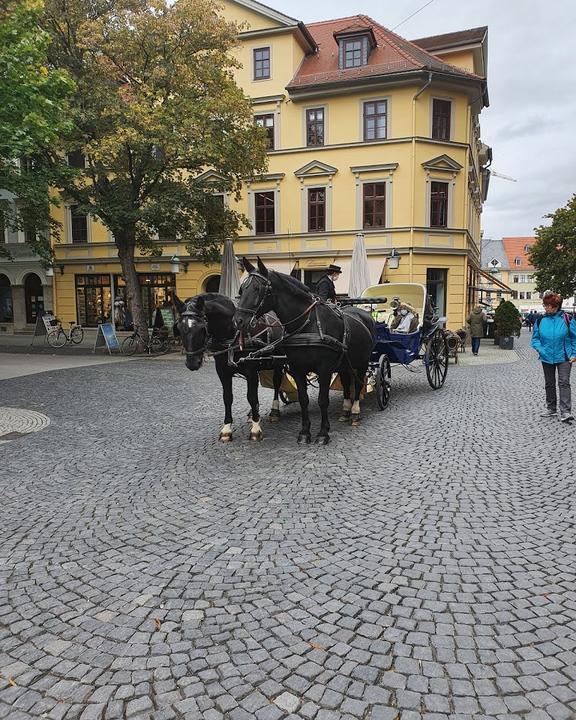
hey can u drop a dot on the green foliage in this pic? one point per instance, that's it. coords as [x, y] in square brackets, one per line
[33, 100]
[554, 252]
[155, 106]
[507, 320]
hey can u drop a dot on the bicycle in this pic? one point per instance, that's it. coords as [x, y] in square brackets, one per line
[155, 344]
[59, 337]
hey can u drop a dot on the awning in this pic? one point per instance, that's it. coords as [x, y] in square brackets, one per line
[281, 265]
[492, 279]
[316, 263]
[490, 290]
[376, 267]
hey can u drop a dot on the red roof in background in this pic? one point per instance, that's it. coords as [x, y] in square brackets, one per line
[514, 247]
[393, 54]
[453, 39]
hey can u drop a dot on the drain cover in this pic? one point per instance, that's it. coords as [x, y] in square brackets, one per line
[15, 423]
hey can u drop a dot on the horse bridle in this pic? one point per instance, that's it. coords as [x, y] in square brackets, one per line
[267, 285]
[199, 318]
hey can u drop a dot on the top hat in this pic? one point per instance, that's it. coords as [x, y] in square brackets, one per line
[334, 269]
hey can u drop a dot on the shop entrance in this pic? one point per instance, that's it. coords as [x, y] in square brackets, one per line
[158, 289]
[436, 284]
[33, 297]
[6, 307]
[93, 299]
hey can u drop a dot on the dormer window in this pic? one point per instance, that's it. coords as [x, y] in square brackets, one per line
[527, 248]
[517, 261]
[354, 46]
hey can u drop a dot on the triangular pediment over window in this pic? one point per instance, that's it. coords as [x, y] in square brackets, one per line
[315, 168]
[211, 176]
[442, 162]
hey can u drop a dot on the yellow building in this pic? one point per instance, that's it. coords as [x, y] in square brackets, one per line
[368, 133]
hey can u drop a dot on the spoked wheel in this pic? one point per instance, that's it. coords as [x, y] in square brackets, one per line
[383, 382]
[77, 335]
[159, 345]
[56, 338]
[436, 359]
[129, 345]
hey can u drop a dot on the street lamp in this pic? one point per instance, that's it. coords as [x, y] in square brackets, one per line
[393, 260]
[175, 264]
[49, 271]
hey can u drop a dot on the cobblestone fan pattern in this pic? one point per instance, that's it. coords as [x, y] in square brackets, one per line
[420, 567]
[15, 422]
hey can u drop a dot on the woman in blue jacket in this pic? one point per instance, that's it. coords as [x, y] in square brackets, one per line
[554, 338]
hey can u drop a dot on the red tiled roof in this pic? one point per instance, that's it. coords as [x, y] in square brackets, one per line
[514, 247]
[393, 54]
[453, 39]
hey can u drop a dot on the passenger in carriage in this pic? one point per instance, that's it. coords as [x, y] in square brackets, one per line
[405, 319]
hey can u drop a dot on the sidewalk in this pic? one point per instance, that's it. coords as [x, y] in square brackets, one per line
[489, 354]
[24, 343]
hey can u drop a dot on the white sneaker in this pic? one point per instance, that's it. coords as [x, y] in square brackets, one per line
[548, 413]
[566, 418]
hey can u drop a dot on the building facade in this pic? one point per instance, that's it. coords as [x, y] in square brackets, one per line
[368, 133]
[506, 261]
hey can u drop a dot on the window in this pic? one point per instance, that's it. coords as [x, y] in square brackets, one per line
[528, 296]
[441, 111]
[78, 226]
[353, 52]
[76, 159]
[375, 120]
[439, 204]
[374, 207]
[264, 212]
[316, 209]
[315, 127]
[516, 278]
[517, 261]
[522, 295]
[527, 248]
[514, 295]
[267, 122]
[261, 63]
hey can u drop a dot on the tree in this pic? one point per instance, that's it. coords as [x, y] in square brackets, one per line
[33, 100]
[554, 252]
[155, 105]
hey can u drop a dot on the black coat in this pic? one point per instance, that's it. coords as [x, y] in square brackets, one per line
[325, 288]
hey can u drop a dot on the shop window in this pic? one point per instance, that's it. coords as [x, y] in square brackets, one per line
[374, 205]
[93, 299]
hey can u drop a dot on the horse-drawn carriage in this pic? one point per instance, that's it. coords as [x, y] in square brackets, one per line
[306, 335]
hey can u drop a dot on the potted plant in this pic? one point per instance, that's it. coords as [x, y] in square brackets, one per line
[508, 322]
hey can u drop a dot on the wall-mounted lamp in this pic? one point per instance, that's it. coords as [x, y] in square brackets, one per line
[393, 260]
[175, 264]
[49, 271]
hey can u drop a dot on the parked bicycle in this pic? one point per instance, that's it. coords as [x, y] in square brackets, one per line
[59, 337]
[156, 344]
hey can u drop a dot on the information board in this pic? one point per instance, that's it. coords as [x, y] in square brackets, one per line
[167, 317]
[44, 325]
[106, 337]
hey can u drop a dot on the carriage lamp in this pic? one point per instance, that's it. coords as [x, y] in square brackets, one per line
[393, 260]
[175, 260]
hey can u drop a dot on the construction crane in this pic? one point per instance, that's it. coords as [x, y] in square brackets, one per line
[502, 177]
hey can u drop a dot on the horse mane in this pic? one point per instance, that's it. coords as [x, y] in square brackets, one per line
[294, 282]
[213, 299]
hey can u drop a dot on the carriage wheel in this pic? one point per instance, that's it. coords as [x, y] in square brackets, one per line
[383, 384]
[436, 359]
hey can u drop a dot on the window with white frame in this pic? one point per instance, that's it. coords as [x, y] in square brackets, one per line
[517, 261]
[439, 194]
[375, 120]
[266, 121]
[78, 226]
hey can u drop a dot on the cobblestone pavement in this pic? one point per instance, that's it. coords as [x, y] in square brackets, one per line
[422, 566]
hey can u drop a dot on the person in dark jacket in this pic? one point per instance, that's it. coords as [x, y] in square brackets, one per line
[476, 320]
[325, 288]
[554, 338]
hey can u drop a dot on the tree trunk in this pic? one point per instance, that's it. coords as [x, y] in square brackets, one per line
[125, 242]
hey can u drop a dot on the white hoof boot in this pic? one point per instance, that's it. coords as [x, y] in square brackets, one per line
[226, 433]
[256, 433]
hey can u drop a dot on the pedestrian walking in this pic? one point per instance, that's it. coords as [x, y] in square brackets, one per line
[476, 321]
[530, 321]
[554, 338]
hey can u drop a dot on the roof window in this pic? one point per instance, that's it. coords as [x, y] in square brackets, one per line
[354, 46]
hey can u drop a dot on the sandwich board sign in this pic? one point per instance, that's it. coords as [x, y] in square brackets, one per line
[167, 317]
[44, 324]
[106, 337]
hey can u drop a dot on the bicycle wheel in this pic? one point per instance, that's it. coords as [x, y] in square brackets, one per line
[77, 335]
[129, 345]
[158, 345]
[56, 338]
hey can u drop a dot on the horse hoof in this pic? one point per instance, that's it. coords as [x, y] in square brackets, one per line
[274, 416]
[345, 417]
[322, 440]
[304, 438]
[254, 437]
[225, 438]
[355, 420]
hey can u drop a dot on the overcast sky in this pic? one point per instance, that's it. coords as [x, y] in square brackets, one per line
[531, 121]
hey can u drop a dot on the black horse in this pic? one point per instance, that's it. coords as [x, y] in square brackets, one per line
[319, 337]
[206, 324]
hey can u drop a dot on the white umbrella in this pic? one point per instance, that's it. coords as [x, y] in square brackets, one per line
[229, 277]
[359, 275]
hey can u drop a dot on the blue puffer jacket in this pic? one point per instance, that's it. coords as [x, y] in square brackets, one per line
[552, 340]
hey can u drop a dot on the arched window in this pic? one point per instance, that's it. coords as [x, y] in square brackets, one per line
[6, 308]
[212, 283]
